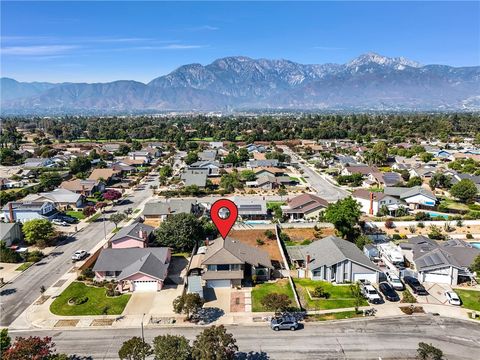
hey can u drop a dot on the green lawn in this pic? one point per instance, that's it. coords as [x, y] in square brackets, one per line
[454, 205]
[76, 214]
[470, 298]
[260, 290]
[94, 217]
[272, 204]
[340, 295]
[335, 316]
[97, 301]
[136, 211]
[24, 266]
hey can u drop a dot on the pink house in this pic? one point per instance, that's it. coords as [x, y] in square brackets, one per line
[135, 269]
[136, 235]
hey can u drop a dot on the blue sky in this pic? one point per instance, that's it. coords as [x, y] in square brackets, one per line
[104, 41]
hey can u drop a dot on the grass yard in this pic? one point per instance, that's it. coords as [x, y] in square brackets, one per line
[272, 204]
[470, 298]
[261, 290]
[340, 295]
[76, 214]
[335, 316]
[94, 217]
[24, 266]
[97, 301]
[117, 229]
[454, 205]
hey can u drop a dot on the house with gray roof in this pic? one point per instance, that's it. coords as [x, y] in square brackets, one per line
[253, 164]
[445, 262]
[334, 260]
[62, 198]
[213, 167]
[135, 269]
[251, 208]
[195, 176]
[229, 261]
[22, 211]
[416, 197]
[136, 235]
[10, 233]
[163, 209]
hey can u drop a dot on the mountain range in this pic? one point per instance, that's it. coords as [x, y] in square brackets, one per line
[368, 82]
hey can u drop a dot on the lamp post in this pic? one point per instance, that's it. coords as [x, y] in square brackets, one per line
[104, 225]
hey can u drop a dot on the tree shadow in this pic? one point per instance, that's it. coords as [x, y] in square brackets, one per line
[208, 315]
[8, 292]
[252, 355]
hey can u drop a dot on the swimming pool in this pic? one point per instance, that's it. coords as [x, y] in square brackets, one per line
[256, 222]
[476, 244]
[437, 215]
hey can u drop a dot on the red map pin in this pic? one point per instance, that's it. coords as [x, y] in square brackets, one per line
[224, 213]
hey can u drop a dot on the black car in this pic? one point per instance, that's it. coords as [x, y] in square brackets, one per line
[387, 290]
[68, 219]
[415, 285]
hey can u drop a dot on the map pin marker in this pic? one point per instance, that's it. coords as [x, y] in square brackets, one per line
[224, 213]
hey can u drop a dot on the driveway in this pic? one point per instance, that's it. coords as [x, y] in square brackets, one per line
[218, 298]
[154, 303]
[436, 293]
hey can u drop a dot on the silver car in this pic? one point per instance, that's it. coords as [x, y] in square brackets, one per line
[284, 323]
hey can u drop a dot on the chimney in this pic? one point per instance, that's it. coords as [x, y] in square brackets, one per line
[307, 262]
[142, 234]
[83, 189]
[371, 204]
[10, 210]
[206, 241]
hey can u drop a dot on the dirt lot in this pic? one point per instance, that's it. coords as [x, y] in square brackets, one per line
[299, 235]
[250, 237]
[404, 230]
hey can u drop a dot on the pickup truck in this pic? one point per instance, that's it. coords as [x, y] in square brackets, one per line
[370, 293]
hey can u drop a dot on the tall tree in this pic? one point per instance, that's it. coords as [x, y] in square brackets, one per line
[214, 343]
[187, 304]
[38, 231]
[134, 349]
[344, 215]
[180, 231]
[465, 190]
[171, 347]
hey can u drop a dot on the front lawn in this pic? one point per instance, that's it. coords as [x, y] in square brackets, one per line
[97, 304]
[76, 214]
[24, 266]
[340, 296]
[261, 290]
[94, 217]
[335, 316]
[470, 298]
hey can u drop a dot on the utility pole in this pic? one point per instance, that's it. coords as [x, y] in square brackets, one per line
[143, 339]
[104, 225]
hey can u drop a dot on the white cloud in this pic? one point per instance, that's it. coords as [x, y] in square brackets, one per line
[37, 50]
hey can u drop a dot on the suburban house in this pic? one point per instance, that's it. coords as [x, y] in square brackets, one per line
[136, 235]
[371, 202]
[84, 187]
[228, 262]
[196, 177]
[24, 211]
[255, 148]
[424, 172]
[416, 197]
[213, 167]
[444, 262]
[62, 198]
[383, 179]
[253, 164]
[105, 175]
[271, 182]
[135, 269]
[111, 147]
[207, 155]
[144, 156]
[334, 260]
[250, 208]
[31, 163]
[163, 209]
[10, 233]
[305, 206]
[364, 170]
[268, 171]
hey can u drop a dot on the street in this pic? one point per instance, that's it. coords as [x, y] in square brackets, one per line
[394, 338]
[324, 188]
[20, 294]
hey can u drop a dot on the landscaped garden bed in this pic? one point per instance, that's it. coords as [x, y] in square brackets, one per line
[335, 316]
[261, 290]
[97, 302]
[339, 296]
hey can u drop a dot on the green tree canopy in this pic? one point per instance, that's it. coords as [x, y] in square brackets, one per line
[79, 165]
[38, 231]
[171, 347]
[191, 157]
[465, 190]
[344, 215]
[276, 302]
[187, 304]
[50, 180]
[180, 231]
[134, 349]
[214, 343]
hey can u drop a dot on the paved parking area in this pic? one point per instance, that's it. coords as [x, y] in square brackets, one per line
[436, 294]
[218, 298]
[7, 271]
[155, 303]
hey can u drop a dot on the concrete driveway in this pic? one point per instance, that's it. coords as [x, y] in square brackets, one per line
[154, 303]
[436, 294]
[218, 298]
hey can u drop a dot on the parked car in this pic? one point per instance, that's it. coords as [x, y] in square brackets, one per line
[284, 323]
[395, 281]
[370, 293]
[453, 298]
[415, 285]
[59, 222]
[388, 291]
[68, 219]
[79, 255]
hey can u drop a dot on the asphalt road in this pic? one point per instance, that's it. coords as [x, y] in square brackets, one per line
[18, 295]
[324, 188]
[395, 338]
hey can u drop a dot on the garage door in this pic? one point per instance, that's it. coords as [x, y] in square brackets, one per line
[218, 283]
[144, 286]
[369, 277]
[437, 278]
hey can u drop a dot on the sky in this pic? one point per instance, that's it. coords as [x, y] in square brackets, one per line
[104, 41]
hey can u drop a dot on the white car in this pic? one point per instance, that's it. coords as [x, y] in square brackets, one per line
[59, 222]
[371, 294]
[453, 298]
[79, 255]
[395, 281]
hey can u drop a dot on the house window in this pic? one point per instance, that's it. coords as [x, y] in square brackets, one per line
[223, 267]
[317, 273]
[110, 273]
[212, 267]
[235, 267]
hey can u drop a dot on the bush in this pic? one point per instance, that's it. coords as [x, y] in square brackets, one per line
[319, 292]
[260, 242]
[306, 242]
[81, 300]
[88, 273]
[469, 236]
[34, 256]
[396, 237]
[422, 216]
[389, 224]
[8, 255]
[421, 225]
[408, 297]
[269, 234]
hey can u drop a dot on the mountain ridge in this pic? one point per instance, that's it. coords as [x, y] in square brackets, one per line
[370, 81]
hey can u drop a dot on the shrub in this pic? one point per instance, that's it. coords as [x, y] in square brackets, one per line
[412, 229]
[88, 273]
[306, 242]
[319, 292]
[81, 300]
[469, 236]
[396, 237]
[421, 225]
[422, 216]
[34, 256]
[436, 233]
[389, 224]
[8, 255]
[408, 297]
[269, 234]
[260, 242]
